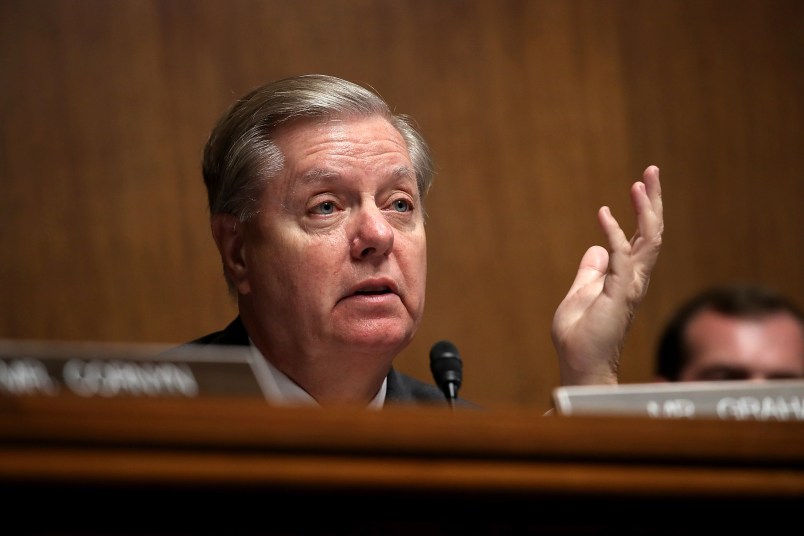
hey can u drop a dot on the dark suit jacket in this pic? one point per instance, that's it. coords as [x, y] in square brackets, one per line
[401, 388]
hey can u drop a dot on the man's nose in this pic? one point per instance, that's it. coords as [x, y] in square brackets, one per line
[372, 234]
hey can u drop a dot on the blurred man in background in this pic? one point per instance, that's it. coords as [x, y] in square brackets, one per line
[733, 332]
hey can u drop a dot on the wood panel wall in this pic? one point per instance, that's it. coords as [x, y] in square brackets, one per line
[538, 112]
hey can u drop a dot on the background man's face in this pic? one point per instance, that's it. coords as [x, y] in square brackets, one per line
[728, 348]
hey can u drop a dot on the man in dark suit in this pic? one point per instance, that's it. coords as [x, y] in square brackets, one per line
[316, 194]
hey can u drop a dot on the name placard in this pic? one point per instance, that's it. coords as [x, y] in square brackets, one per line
[781, 400]
[39, 368]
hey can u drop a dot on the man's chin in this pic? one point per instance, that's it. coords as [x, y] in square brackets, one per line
[379, 339]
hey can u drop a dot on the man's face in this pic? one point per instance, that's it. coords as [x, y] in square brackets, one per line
[336, 258]
[727, 348]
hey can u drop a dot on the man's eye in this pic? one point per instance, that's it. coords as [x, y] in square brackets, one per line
[724, 374]
[401, 205]
[327, 207]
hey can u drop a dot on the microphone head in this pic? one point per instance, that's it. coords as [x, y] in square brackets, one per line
[446, 366]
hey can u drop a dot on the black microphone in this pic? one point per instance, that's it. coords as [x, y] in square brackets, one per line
[446, 366]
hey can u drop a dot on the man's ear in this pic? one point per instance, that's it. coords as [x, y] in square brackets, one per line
[228, 234]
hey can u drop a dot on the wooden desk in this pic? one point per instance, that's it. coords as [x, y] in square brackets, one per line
[124, 466]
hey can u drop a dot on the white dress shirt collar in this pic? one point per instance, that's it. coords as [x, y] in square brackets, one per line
[279, 389]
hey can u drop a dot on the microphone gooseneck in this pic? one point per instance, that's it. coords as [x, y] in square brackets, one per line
[447, 369]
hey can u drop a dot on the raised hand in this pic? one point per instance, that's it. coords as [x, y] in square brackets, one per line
[592, 321]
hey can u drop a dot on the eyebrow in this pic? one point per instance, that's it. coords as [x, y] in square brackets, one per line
[404, 172]
[319, 175]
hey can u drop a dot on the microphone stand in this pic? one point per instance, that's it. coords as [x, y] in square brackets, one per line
[447, 369]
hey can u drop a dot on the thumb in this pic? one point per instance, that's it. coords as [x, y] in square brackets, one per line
[594, 264]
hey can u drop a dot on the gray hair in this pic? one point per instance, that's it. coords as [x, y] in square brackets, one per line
[240, 155]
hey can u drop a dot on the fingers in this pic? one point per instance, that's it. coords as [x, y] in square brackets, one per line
[635, 257]
[628, 257]
[647, 240]
[650, 178]
[611, 228]
[646, 197]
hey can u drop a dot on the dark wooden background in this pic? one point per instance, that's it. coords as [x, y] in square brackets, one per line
[538, 113]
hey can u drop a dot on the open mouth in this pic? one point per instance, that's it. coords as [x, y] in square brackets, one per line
[373, 292]
[376, 287]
